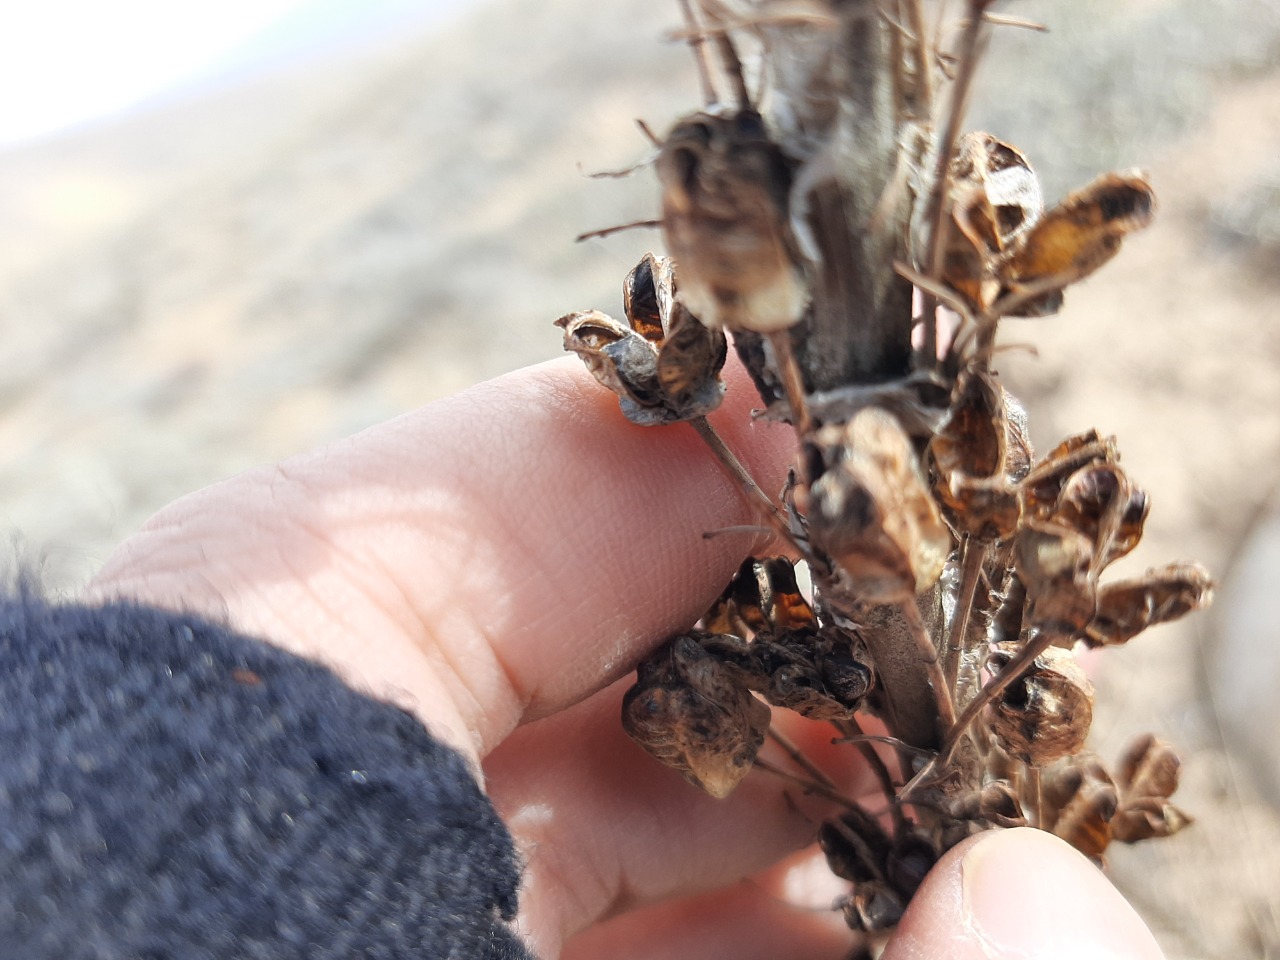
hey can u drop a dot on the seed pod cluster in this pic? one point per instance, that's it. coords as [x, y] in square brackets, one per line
[954, 574]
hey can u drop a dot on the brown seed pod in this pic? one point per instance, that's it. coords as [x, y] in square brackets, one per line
[871, 511]
[688, 710]
[1102, 503]
[1079, 802]
[1127, 607]
[1041, 487]
[1045, 714]
[664, 367]
[873, 906]
[1075, 238]
[1054, 564]
[725, 215]
[995, 200]
[1147, 778]
[970, 453]
[817, 674]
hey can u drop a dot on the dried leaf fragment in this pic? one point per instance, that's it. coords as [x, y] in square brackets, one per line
[687, 709]
[665, 366]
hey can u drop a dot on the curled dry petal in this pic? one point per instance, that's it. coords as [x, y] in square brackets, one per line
[665, 366]
[1127, 607]
[870, 509]
[687, 709]
[725, 214]
[1045, 714]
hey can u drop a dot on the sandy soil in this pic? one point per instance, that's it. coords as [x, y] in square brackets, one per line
[199, 290]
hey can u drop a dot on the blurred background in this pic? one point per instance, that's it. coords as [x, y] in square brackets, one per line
[231, 231]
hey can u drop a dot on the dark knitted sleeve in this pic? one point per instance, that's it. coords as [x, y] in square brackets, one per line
[169, 789]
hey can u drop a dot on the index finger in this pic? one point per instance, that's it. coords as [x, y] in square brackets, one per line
[487, 559]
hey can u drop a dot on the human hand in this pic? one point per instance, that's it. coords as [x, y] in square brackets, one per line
[496, 563]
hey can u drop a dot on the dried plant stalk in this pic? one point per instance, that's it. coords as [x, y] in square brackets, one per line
[953, 573]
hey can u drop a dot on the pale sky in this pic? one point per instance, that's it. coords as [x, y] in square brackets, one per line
[63, 62]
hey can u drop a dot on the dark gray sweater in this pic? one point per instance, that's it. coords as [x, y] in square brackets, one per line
[169, 789]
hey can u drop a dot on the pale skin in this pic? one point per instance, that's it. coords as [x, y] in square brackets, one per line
[497, 563]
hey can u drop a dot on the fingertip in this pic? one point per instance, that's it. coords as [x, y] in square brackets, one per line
[1019, 894]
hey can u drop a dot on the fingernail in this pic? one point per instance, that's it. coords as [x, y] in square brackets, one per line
[1028, 895]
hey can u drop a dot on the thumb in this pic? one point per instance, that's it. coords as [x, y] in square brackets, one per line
[1023, 895]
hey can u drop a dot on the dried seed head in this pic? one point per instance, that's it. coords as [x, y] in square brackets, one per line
[973, 481]
[1080, 803]
[1043, 484]
[1147, 778]
[1079, 235]
[1045, 714]
[1054, 565]
[856, 847]
[998, 804]
[818, 675]
[1102, 503]
[871, 511]
[912, 856]
[995, 200]
[725, 187]
[1127, 607]
[687, 709]
[665, 366]
[873, 906]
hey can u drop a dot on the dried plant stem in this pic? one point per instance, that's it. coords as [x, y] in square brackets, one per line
[733, 466]
[972, 556]
[617, 228]
[996, 686]
[851, 732]
[924, 58]
[938, 211]
[800, 760]
[696, 41]
[792, 381]
[1036, 797]
[809, 786]
[929, 657]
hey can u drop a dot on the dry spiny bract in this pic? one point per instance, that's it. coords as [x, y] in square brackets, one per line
[862, 251]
